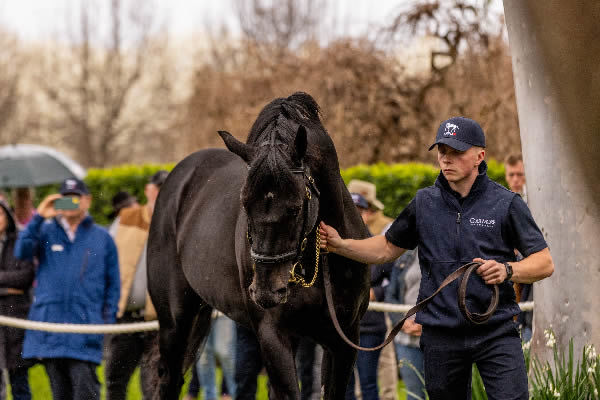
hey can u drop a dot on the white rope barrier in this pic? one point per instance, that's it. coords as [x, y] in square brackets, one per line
[78, 328]
[153, 325]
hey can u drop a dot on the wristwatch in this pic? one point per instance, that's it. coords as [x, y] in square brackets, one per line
[509, 271]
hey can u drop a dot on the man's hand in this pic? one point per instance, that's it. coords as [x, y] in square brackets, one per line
[330, 238]
[46, 207]
[410, 327]
[492, 272]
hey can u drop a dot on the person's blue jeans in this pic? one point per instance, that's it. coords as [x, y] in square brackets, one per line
[219, 344]
[366, 363]
[496, 350]
[412, 381]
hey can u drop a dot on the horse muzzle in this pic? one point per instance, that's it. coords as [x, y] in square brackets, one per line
[270, 296]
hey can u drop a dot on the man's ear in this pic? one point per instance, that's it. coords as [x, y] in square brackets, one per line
[243, 150]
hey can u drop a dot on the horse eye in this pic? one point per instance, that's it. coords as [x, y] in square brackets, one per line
[294, 211]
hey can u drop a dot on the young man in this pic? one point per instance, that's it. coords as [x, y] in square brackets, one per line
[126, 351]
[77, 282]
[464, 217]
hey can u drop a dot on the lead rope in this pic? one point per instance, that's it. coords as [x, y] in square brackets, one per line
[464, 271]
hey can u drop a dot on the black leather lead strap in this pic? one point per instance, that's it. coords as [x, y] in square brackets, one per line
[464, 271]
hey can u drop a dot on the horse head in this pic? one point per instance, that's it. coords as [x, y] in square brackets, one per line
[281, 202]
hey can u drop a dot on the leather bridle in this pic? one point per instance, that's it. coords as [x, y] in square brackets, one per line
[308, 227]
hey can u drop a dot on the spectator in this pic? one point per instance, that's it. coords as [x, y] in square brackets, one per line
[463, 217]
[119, 201]
[372, 325]
[220, 345]
[23, 206]
[77, 282]
[404, 289]
[3, 196]
[514, 172]
[377, 222]
[124, 352]
[515, 177]
[16, 278]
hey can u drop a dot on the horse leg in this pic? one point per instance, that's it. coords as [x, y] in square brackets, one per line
[278, 355]
[337, 366]
[184, 321]
[179, 339]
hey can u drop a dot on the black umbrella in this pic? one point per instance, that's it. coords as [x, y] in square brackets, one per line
[27, 165]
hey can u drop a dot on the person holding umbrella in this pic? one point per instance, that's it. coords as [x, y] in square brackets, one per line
[77, 282]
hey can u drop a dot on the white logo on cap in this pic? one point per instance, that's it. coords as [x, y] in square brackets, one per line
[70, 183]
[450, 129]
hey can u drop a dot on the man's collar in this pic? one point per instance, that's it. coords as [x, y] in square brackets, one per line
[478, 185]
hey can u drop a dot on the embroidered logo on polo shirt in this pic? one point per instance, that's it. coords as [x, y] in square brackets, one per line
[488, 223]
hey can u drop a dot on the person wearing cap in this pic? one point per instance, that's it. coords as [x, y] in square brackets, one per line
[77, 282]
[463, 217]
[378, 223]
[372, 324]
[125, 352]
[16, 278]
[374, 218]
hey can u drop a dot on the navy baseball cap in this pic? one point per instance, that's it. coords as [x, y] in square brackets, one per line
[74, 186]
[460, 133]
[359, 201]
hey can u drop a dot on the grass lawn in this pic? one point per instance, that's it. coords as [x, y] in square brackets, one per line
[40, 386]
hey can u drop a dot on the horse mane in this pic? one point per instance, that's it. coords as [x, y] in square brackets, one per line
[272, 135]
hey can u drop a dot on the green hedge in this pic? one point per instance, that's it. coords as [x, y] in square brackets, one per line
[396, 183]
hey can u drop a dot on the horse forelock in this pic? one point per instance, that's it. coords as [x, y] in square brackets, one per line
[269, 172]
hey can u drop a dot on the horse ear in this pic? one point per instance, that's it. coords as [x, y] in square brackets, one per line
[300, 144]
[236, 147]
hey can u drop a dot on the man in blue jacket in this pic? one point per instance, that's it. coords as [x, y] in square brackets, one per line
[464, 217]
[77, 282]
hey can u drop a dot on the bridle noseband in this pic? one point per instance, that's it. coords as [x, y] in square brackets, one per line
[295, 255]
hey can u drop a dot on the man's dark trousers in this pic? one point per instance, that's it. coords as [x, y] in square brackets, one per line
[124, 352]
[496, 350]
[72, 379]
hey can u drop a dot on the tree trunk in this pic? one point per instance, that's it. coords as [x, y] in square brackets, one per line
[556, 57]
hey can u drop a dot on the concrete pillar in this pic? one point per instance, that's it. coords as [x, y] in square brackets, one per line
[555, 48]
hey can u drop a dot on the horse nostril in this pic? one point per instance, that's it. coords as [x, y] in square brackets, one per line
[282, 291]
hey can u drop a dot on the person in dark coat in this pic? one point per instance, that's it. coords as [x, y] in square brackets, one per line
[16, 278]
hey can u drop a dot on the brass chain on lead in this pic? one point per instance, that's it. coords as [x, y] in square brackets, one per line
[295, 278]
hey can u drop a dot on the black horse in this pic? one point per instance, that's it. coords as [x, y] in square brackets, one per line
[237, 231]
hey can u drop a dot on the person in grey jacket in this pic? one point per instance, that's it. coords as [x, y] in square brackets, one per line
[404, 289]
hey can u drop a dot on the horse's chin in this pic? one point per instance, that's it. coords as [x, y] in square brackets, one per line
[267, 302]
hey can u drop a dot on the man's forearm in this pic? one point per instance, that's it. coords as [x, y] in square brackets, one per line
[533, 268]
[373, 250]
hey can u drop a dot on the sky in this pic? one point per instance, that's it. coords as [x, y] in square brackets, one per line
[36, 19]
